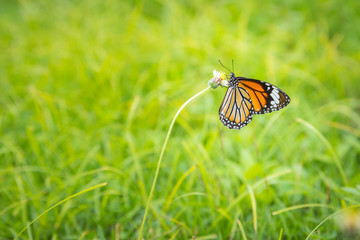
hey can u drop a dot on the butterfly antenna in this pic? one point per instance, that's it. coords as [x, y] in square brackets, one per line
[232, 60]
[224, 66]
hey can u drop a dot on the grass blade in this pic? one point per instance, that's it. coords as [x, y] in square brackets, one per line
[176, 187]
[300, 206]
[57, 204]
[253, 206]
[241, 229]
[327, 144]
[332, 215]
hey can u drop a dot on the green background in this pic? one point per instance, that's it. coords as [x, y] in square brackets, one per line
[89, 88]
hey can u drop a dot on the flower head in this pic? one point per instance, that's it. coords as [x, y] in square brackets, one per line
[218, 79]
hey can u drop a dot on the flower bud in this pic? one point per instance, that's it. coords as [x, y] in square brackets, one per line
[218, 79]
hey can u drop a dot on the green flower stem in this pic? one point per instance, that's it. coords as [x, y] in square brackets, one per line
[161, 156]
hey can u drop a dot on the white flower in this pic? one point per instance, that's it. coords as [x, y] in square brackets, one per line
[218, 79]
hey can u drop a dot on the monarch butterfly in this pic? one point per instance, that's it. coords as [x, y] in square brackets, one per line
[246, 97]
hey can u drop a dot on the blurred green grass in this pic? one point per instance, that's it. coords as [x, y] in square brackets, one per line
[89, 89]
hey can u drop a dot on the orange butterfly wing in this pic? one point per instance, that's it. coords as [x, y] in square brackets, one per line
[246, 97]
[236, 110]
[265, 97]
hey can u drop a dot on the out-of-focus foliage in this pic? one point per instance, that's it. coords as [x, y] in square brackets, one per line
[88, 90]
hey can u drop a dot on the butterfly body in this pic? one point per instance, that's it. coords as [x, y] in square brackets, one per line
[246, 97]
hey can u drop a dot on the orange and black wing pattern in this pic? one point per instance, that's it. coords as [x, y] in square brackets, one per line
[236, 110]
[265, 97]
[246, 97]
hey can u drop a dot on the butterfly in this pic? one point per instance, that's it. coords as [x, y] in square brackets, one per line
[246, 97]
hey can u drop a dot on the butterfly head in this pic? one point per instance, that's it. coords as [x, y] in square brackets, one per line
[232, 79]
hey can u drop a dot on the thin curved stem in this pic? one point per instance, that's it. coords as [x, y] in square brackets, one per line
[335, 213]
[57, 204]
[161, 156]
